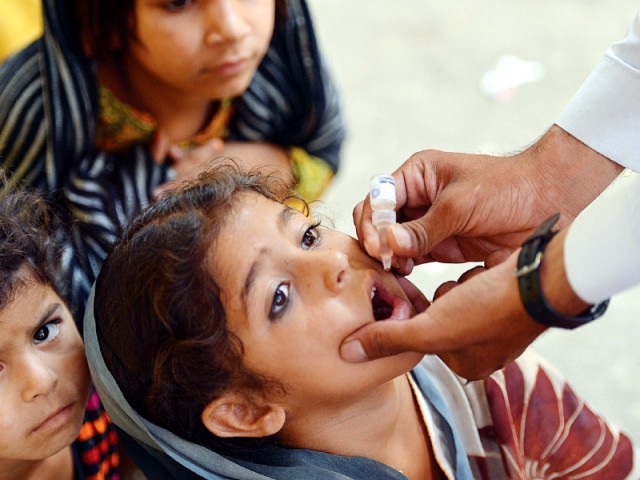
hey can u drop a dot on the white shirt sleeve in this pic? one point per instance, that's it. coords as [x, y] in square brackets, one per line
[602, 247]
[605, 112]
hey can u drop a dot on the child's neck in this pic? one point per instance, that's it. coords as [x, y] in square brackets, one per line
[56, 467]
[386, 426]
[178, 115]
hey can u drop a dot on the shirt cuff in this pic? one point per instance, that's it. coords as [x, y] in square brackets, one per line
[601, 247]
[605, 112]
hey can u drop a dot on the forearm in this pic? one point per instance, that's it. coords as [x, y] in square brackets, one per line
[260, 154]
[310, 174]
[566, 173]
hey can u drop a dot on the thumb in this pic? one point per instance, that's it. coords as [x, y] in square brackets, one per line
[416, 238]
[390, 337]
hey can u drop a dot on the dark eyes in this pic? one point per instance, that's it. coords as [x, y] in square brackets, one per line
[279, 302]
[47, 332]
[310, 238]
[175, 5]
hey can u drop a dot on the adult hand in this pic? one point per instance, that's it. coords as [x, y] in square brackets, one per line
[476, 327]
[461, 207]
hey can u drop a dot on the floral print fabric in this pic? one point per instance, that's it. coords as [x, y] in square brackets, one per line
[542, 430]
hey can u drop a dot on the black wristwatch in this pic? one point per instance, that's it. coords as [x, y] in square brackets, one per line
[528, 274]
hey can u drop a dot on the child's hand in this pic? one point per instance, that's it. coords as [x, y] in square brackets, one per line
[159, 147]
[187, 162]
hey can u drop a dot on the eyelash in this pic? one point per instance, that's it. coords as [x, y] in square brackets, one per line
[177, 5]
[314, 233]
[276, 311]
[53, 323]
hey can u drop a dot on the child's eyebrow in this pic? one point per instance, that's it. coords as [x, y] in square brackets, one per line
[284, 219]
[41, 321]
[48, 314]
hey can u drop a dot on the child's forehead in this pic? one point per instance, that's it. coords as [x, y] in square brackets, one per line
[17, 283]
[21, 310]
[293, 201]
[249, 201]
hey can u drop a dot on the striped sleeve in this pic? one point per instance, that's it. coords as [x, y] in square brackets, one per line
[47, 144]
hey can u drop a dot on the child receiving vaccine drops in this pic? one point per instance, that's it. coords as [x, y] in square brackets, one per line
[215, 329]
[52, 425]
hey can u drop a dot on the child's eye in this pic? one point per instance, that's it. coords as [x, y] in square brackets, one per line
[311, 236]
[279, 302]
[175, 5]
[47, 332]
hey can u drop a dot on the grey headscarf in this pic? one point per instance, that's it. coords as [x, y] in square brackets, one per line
[183, 460]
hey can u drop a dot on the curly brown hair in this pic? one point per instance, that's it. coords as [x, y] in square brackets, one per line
[31, 244]
[160, 321]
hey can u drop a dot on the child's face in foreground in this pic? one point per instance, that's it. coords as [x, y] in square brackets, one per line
[44, 379]
[209, 48]
[292, 293]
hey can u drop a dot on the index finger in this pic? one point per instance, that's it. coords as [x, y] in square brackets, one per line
[365, 231]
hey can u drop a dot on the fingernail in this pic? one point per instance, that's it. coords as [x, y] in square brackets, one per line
[352, 351]
[402, 237]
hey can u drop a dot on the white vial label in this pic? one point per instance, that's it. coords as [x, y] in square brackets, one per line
[382, 192]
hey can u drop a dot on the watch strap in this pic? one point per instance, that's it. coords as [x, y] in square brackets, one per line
[528, 273]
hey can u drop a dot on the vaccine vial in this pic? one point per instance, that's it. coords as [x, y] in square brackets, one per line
[382, 195]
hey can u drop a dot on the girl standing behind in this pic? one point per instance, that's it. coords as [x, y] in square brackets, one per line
[119, 97]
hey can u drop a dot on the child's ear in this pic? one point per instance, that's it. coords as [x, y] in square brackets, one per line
[236, 415]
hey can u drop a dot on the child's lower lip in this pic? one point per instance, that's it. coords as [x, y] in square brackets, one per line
[229, 69]
[59, 418]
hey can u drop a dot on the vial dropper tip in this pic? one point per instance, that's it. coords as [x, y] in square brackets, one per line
[386, 262]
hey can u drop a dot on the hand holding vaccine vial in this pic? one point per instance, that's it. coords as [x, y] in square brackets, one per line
[382, 195]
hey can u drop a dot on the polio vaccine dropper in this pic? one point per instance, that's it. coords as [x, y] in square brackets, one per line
[382, 195]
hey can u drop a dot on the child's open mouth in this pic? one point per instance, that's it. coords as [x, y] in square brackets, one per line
[387, 306]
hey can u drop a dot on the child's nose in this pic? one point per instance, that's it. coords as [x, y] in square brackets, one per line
[38, 379]
[335, 269]
[226, 21]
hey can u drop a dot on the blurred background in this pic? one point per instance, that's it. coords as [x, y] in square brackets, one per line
[486, 77]
[20, 23]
